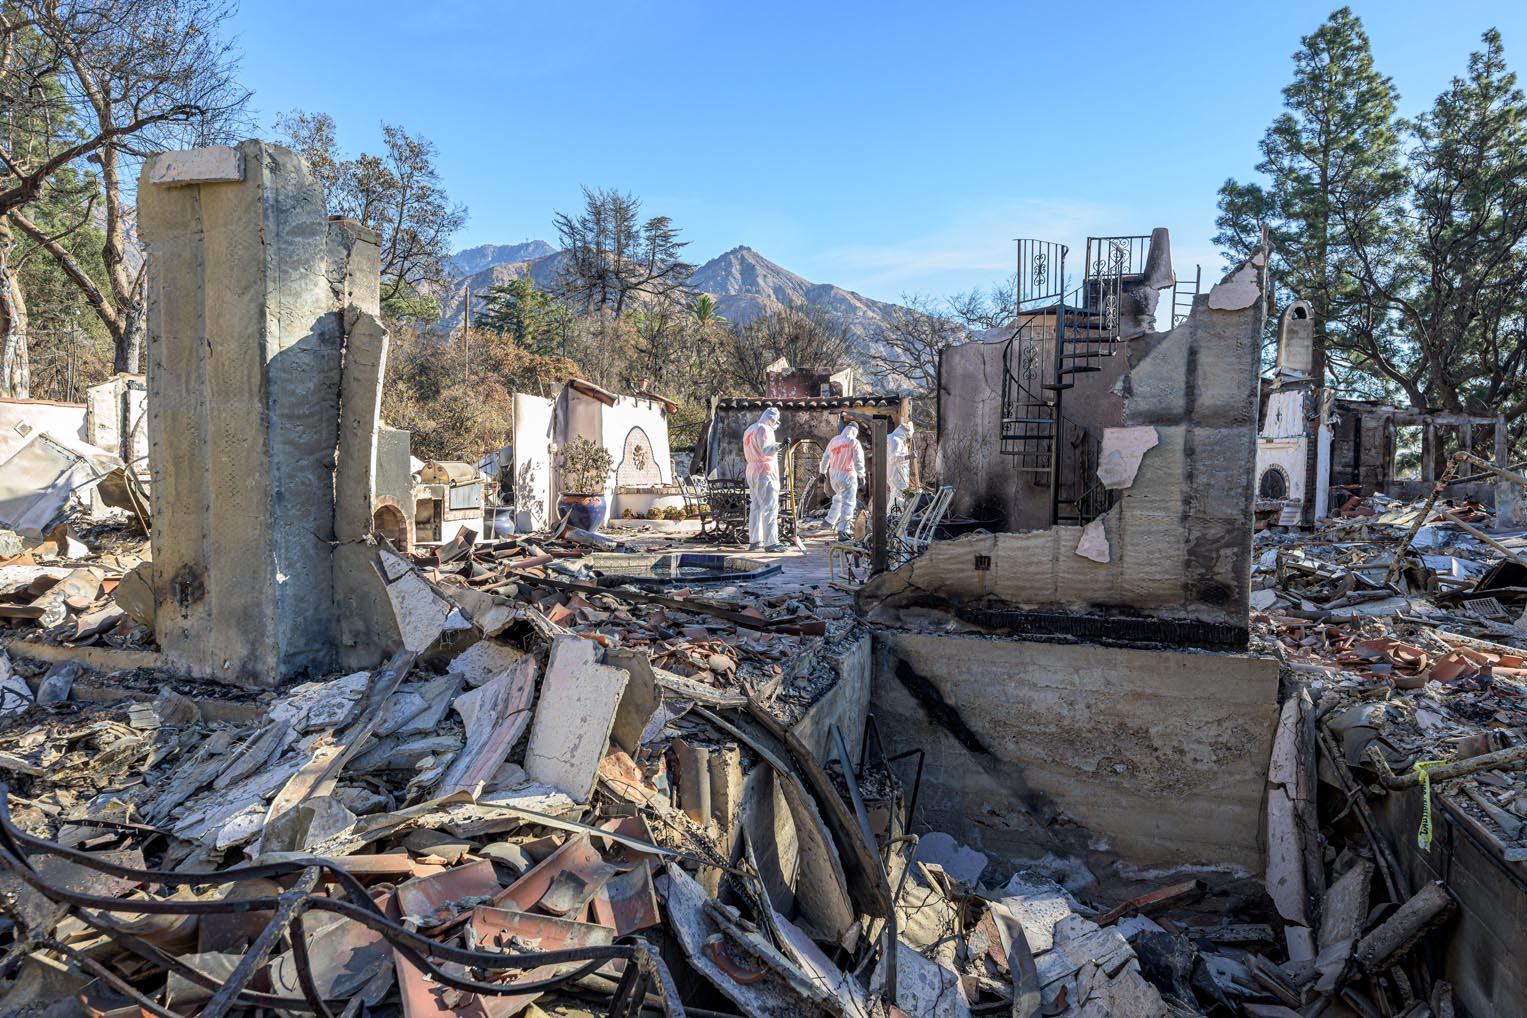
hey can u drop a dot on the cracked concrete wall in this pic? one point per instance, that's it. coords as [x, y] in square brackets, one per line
[248, 286]
[1101, 753]
[1179, 538]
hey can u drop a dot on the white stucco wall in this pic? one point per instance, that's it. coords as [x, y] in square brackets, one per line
[1322, 471]
[20, 418]
[1288, 453]
[580, 416]
[649, 415]
[1285, 414]
[106, 406]
[533, 461]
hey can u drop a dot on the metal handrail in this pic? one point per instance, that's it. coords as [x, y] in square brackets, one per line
[1086, 329]
[1131, 253]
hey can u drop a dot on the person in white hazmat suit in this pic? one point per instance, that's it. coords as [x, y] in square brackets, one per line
[843, 463]
[898, 447]
[761, 451]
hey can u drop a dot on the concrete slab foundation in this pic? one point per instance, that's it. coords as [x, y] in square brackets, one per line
[1155, 758]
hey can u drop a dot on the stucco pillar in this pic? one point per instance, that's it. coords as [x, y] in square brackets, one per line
[248, 286]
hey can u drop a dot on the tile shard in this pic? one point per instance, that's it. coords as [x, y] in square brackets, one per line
[496, 714]
[573, 718]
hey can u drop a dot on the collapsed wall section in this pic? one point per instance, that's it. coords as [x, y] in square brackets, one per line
[1171, 561]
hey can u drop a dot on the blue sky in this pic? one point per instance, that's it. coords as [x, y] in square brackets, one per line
[888, 147]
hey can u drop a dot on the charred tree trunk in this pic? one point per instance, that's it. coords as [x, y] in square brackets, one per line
[15, 374]
[129, 346]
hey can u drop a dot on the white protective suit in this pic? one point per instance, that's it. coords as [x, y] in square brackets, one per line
[843, 463]
[898, 475]
[762, 453]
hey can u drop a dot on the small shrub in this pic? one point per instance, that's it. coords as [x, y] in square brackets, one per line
[585, 467]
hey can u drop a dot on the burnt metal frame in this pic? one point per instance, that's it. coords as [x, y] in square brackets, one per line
[1085, 320]
[730, 501]
[646, 971]
[872, 728]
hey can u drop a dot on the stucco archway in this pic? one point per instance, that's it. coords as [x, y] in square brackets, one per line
[388, 521]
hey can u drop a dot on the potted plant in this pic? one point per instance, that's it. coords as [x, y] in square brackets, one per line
[585, 467]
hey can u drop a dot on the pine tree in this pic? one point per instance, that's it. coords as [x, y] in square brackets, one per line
[524, 313]
[1335, 150]
[1469, 179]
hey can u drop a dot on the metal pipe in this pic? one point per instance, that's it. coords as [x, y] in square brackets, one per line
[413, 946]
[293, 904]
[878, 495]
[1515, 756]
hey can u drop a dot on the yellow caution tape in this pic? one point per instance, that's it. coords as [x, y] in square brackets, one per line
[1424, 832]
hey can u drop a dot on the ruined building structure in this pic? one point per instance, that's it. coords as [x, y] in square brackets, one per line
[1079, 677]
[806, 425]
[265, 362]
[1294, 443]
[1316, 450]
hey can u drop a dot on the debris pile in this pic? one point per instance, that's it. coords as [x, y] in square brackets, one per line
[1417, 656]
[1401, 626]
[64, 591]
[571, 796]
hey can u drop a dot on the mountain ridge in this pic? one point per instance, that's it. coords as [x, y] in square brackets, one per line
[475, 259]
[745, 285]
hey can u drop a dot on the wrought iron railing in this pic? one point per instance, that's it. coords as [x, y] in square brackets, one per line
[1127, 255]
[1060, 334]
[1041, 273]
[1028, 411]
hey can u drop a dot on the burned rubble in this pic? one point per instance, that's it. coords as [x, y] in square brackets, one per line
[516, 798]
[1115, 756]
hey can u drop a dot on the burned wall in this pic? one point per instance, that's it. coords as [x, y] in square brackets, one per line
[814, 419]
[1083, 751]
[1046, 747]
[1174, 553]
[1362, 448]
[988, 486]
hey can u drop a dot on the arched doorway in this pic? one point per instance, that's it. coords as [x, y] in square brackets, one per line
[388, 521]
[1274, 484]
[801, 479]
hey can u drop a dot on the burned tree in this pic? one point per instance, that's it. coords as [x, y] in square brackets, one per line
[614, 259]
[398, 194]
[90, 88]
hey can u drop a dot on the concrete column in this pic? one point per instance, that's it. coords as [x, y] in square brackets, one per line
[1502, 443]
[248, 285]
